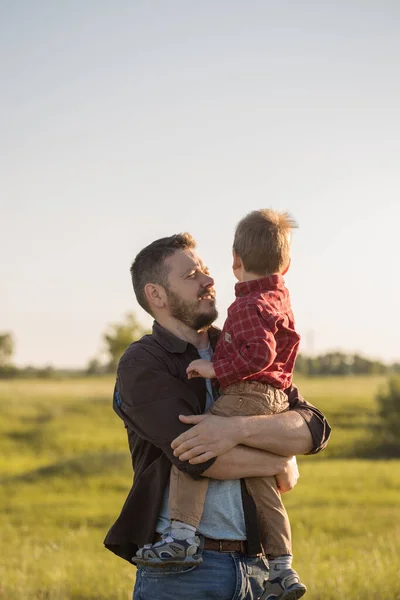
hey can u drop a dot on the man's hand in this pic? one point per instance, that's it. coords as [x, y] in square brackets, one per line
[211, 436]
[201, 368]
[288, 478]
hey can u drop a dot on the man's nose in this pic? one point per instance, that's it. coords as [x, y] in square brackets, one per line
[208, 281]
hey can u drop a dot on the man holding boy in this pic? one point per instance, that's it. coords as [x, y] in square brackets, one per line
[151, 394]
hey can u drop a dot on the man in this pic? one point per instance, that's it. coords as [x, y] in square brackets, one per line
[163, 412]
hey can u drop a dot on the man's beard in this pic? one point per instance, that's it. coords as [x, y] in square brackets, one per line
[188, 312]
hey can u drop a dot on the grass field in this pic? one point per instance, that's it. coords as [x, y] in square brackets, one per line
[65, 472]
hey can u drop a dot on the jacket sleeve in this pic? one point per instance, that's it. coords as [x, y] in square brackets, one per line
[149, 400]
[318, 425]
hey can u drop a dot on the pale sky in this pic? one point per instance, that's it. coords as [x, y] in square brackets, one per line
[126, 121]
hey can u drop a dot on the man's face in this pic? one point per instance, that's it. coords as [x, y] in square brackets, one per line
[190, 291]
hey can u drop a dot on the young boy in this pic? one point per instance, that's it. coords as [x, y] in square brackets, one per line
[253, 363]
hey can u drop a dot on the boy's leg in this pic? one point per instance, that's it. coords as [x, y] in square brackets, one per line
[272, 516]
[254, 398]
[186, 497]
[181, 544]
[250, 398]
[283, 582]
[260, 399]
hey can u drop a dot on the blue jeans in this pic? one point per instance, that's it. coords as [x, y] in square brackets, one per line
[221, 576]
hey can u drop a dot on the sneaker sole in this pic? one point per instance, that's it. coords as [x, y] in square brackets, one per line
[293, 594]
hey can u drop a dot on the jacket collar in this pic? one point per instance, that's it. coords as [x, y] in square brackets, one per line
[171, 343]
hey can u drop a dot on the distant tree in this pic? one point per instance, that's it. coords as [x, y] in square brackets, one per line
[340, 364]
[46, 372]
[6, 349]
[95, 367]
[119, 336]
[333, 363]
[301, 366]
[389, 411]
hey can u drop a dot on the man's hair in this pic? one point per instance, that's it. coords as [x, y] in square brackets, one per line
[149, 265]
[262, 241]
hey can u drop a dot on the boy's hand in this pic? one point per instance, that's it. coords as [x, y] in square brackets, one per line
[201, 368]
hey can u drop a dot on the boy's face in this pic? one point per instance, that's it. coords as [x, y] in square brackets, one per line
[287, 268]
[289, 237]
[237, 266]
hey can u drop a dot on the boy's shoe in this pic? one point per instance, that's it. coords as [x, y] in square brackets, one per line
[287, 586]
[169, 551]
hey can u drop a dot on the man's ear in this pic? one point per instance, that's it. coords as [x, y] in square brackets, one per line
[237, 263]
[155, 295]
[287, 268]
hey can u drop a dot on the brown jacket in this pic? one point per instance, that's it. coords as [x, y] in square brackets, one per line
[151, 390]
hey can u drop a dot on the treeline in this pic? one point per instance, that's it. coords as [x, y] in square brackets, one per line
[118, 336]
[340, 364]
[31, 372]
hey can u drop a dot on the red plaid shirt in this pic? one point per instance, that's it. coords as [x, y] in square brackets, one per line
[258, 341]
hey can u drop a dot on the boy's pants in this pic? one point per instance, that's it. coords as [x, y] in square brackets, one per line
[187, 496]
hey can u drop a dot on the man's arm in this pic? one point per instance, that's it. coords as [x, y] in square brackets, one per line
[301, 430]
[247, 462]
[318, 425]
[154, 417]
[286, 434]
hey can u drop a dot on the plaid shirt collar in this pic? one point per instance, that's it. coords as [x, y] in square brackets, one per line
[264, 284]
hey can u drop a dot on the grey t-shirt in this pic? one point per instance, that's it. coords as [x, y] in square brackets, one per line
[223, 516]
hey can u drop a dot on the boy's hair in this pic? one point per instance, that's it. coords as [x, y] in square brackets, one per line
[262, 241]
[149, 265]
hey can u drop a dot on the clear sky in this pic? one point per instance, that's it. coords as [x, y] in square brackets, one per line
[124, 121]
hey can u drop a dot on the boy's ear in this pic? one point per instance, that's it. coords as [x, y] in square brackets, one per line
[237, 263]
[287, 268]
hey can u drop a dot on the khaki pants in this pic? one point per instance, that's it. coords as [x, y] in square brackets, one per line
[187, 496]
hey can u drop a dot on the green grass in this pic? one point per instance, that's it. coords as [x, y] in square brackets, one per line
[65, 473]
[349, 403]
